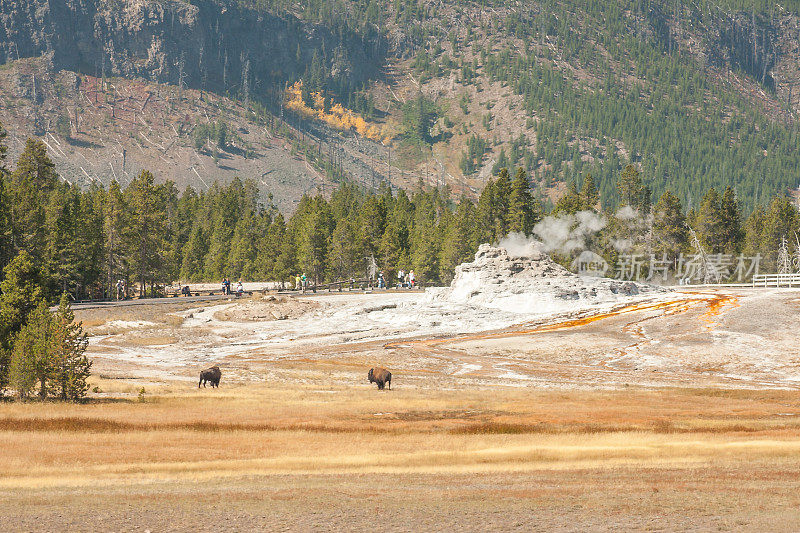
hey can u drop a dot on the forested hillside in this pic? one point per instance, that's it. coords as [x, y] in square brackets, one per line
[695, 94]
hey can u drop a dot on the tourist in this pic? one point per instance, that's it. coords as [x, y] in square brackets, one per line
[412, 279]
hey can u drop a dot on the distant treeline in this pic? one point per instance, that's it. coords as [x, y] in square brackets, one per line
[83, 241]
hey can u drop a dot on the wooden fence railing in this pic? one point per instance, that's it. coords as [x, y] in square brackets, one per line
[776, 280]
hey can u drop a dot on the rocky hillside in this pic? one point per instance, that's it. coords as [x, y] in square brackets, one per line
[95, 135]
[695, 93]
[221, 46]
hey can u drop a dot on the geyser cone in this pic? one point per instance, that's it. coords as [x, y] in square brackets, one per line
[531, 283]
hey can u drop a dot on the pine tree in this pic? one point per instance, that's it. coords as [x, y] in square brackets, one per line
[62, 253]
[69, 367]
[523, 210]
[670, 233]
[501, 163]
[781, 221]
[114, 227]
[709, 220]
[21, 290]
[485, 216]
[394, 247]
[754, 231]
[456, 247]
[502, 199]
[242, 256]
[31, 183]
[589, 194]
[344, 252]
[269, 249]
[194, 254]
[32, 353]
[632, 191]
[90, 254]
[286, 263]
[570, 203]
[313, 239]
[731, 234]
[171, 254]
[372, 221]
[146, 232]
[425, 241]
[419, 116]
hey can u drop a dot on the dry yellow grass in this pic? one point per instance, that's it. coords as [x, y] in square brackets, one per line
[258, 430]
[466, 460]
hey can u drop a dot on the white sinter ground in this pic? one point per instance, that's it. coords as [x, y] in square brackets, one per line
[494, 291]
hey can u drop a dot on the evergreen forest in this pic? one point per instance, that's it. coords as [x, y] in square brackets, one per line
[81, 241]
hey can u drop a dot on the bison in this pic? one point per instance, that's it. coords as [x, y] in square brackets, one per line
[381, 376]
[210, 375]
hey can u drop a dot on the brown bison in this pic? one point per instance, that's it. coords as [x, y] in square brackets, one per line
[381, 376]
[210, 375]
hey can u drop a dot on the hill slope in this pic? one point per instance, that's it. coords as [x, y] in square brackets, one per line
[697, 94]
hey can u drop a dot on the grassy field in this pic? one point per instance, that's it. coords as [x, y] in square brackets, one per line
[491, 459]
[573, 426]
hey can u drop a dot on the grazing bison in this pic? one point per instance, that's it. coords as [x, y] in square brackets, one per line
[381, 376]
[210, 375]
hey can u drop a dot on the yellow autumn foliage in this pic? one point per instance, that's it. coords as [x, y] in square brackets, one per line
[339, 116]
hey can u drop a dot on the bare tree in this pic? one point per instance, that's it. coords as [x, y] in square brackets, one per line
[181, 66]
[225, 72]
[246, 82]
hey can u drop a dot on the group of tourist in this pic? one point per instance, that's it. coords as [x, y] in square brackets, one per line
[226, 287]
[405, 280]
[300, 282]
